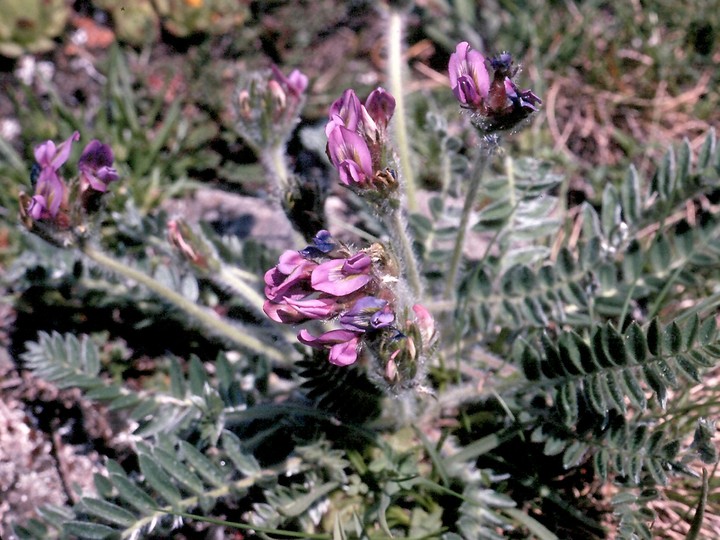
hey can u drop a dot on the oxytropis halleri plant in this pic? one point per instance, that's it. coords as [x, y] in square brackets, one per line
[370, 292]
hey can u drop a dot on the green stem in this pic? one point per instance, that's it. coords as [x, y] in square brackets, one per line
[397, 89]
[401, 236]
[204, 316]
[481, 162]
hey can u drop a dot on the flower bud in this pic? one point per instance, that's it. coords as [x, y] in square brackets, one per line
[191, 246]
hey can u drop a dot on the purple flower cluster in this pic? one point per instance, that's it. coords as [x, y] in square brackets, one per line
[325, 281]
[357, 135]
[498, 103]
[94, 165]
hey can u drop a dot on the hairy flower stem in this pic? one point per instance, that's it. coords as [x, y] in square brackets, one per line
[207, 319]
[275, 163]
[481, 163]
[273, 159]
[397, 89]
[237, 280]
[401, 237]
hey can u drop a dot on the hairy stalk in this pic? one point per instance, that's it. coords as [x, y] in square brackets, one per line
[275, 163]
[401, 237]
[273, 159]
[236, 279]
[208, 320]
[481, 163]
[397, 89]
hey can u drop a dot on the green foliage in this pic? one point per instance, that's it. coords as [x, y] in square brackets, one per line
[599, 350]
[565, 359]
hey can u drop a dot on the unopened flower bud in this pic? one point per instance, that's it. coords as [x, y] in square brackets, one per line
[243, 102]
[190, 245]
[380, 105]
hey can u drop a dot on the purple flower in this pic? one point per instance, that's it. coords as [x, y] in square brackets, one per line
[95, 165]
[50, 188]
[498, 104]
[350, 154]
[524, 99]
[293, 310]
[343, 344]
[469, 78]
[345, 111]
[368, 313]
[340, 277]
[380, 105]
[53, 157]
[291, 277]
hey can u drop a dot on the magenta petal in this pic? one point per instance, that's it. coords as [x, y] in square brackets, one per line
[457, 62]
[347, 108]
[334, 122]
[52, 189]
[51, 156]
[44, 153]
[351, 173]
[358, 263]
[329, 277]
[316, 308]
[478, 72]
[469, 78]
[293, 312]
[36, 207]
[344, 144]
[297, 82]
[283, 313]
[344, 354]
[290, 260]
[425, 323]
[333, 337]
[380, 105]
[343, 344]
[466, 92]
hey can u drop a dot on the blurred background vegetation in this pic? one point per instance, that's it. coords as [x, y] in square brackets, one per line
[154, 79]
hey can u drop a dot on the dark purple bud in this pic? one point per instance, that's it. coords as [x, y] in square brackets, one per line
[380, 105]
[503, 64]
[322, 245]
[95, 165]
